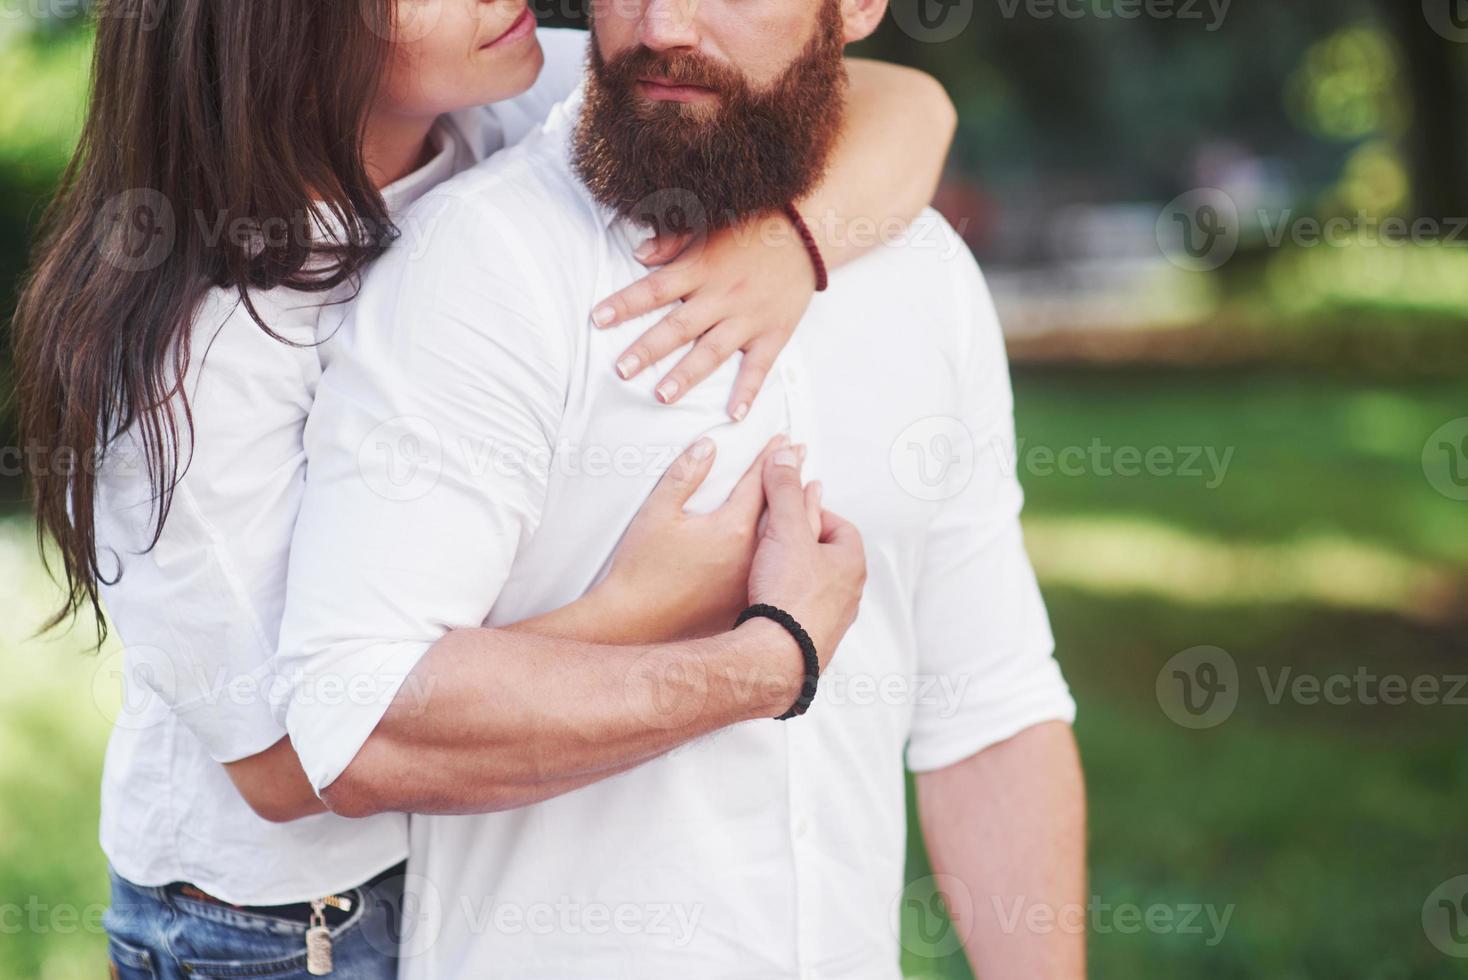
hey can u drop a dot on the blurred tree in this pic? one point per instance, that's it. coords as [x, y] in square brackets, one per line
[1077, 95]
[1434, 77]
[560, 13]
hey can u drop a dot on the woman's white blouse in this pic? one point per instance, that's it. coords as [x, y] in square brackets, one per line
[199, 614]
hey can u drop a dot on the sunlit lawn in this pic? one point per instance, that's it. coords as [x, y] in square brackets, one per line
[1326, 827]
[1323, 828]
[52, 730]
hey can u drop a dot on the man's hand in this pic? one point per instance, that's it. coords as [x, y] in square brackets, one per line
[809, 562]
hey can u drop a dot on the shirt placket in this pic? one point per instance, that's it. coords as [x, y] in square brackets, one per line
[802, 769]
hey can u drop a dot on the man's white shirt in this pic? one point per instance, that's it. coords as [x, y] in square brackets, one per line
[475, 460]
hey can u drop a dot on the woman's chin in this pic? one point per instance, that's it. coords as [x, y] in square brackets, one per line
[506, 77]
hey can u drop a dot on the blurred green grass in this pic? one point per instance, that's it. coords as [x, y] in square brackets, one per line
[1324, 827]
[53, 878]
[1312, 454]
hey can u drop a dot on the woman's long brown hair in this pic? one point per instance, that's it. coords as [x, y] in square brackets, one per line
[205, 117]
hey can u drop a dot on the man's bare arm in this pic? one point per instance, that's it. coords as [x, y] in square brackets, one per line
[1009, 824]
[513, 719]
[275, 786]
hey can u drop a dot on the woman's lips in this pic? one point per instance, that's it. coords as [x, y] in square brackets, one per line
[523, 27]
[664, 92]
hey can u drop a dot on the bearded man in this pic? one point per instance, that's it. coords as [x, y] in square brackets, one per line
[701, 839]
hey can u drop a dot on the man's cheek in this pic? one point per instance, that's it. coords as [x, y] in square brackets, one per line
[614, 25]
[761, 54]
[611, 47]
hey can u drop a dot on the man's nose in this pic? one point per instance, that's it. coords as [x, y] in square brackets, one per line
[669, 24]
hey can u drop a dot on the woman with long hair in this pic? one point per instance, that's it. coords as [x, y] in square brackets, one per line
[241, 165]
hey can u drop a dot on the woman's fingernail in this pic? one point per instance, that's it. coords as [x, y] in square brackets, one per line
[800, 451]
[603, 316]
[627, 366]
[645, 250]
[703, 449]
[667, 391]
[785, 457]
[741, 412]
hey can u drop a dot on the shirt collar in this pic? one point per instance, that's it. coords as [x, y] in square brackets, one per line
[401, 193]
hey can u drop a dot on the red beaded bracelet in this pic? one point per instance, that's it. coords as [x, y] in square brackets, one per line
[822, 278]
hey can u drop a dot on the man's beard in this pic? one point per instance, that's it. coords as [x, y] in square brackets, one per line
[667, 163]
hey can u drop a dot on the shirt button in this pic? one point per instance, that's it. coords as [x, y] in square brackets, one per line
[802, 827]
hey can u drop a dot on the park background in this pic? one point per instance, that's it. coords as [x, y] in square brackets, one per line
[1230, 229]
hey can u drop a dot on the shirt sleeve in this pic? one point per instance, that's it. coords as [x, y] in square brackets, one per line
[981, 623]
[429, 447]
[199, 610]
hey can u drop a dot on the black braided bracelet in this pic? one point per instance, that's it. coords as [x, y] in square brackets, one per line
[807, 651]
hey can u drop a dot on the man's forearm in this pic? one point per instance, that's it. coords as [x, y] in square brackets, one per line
[1009, 826]
[513, 718]
[274, 784]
